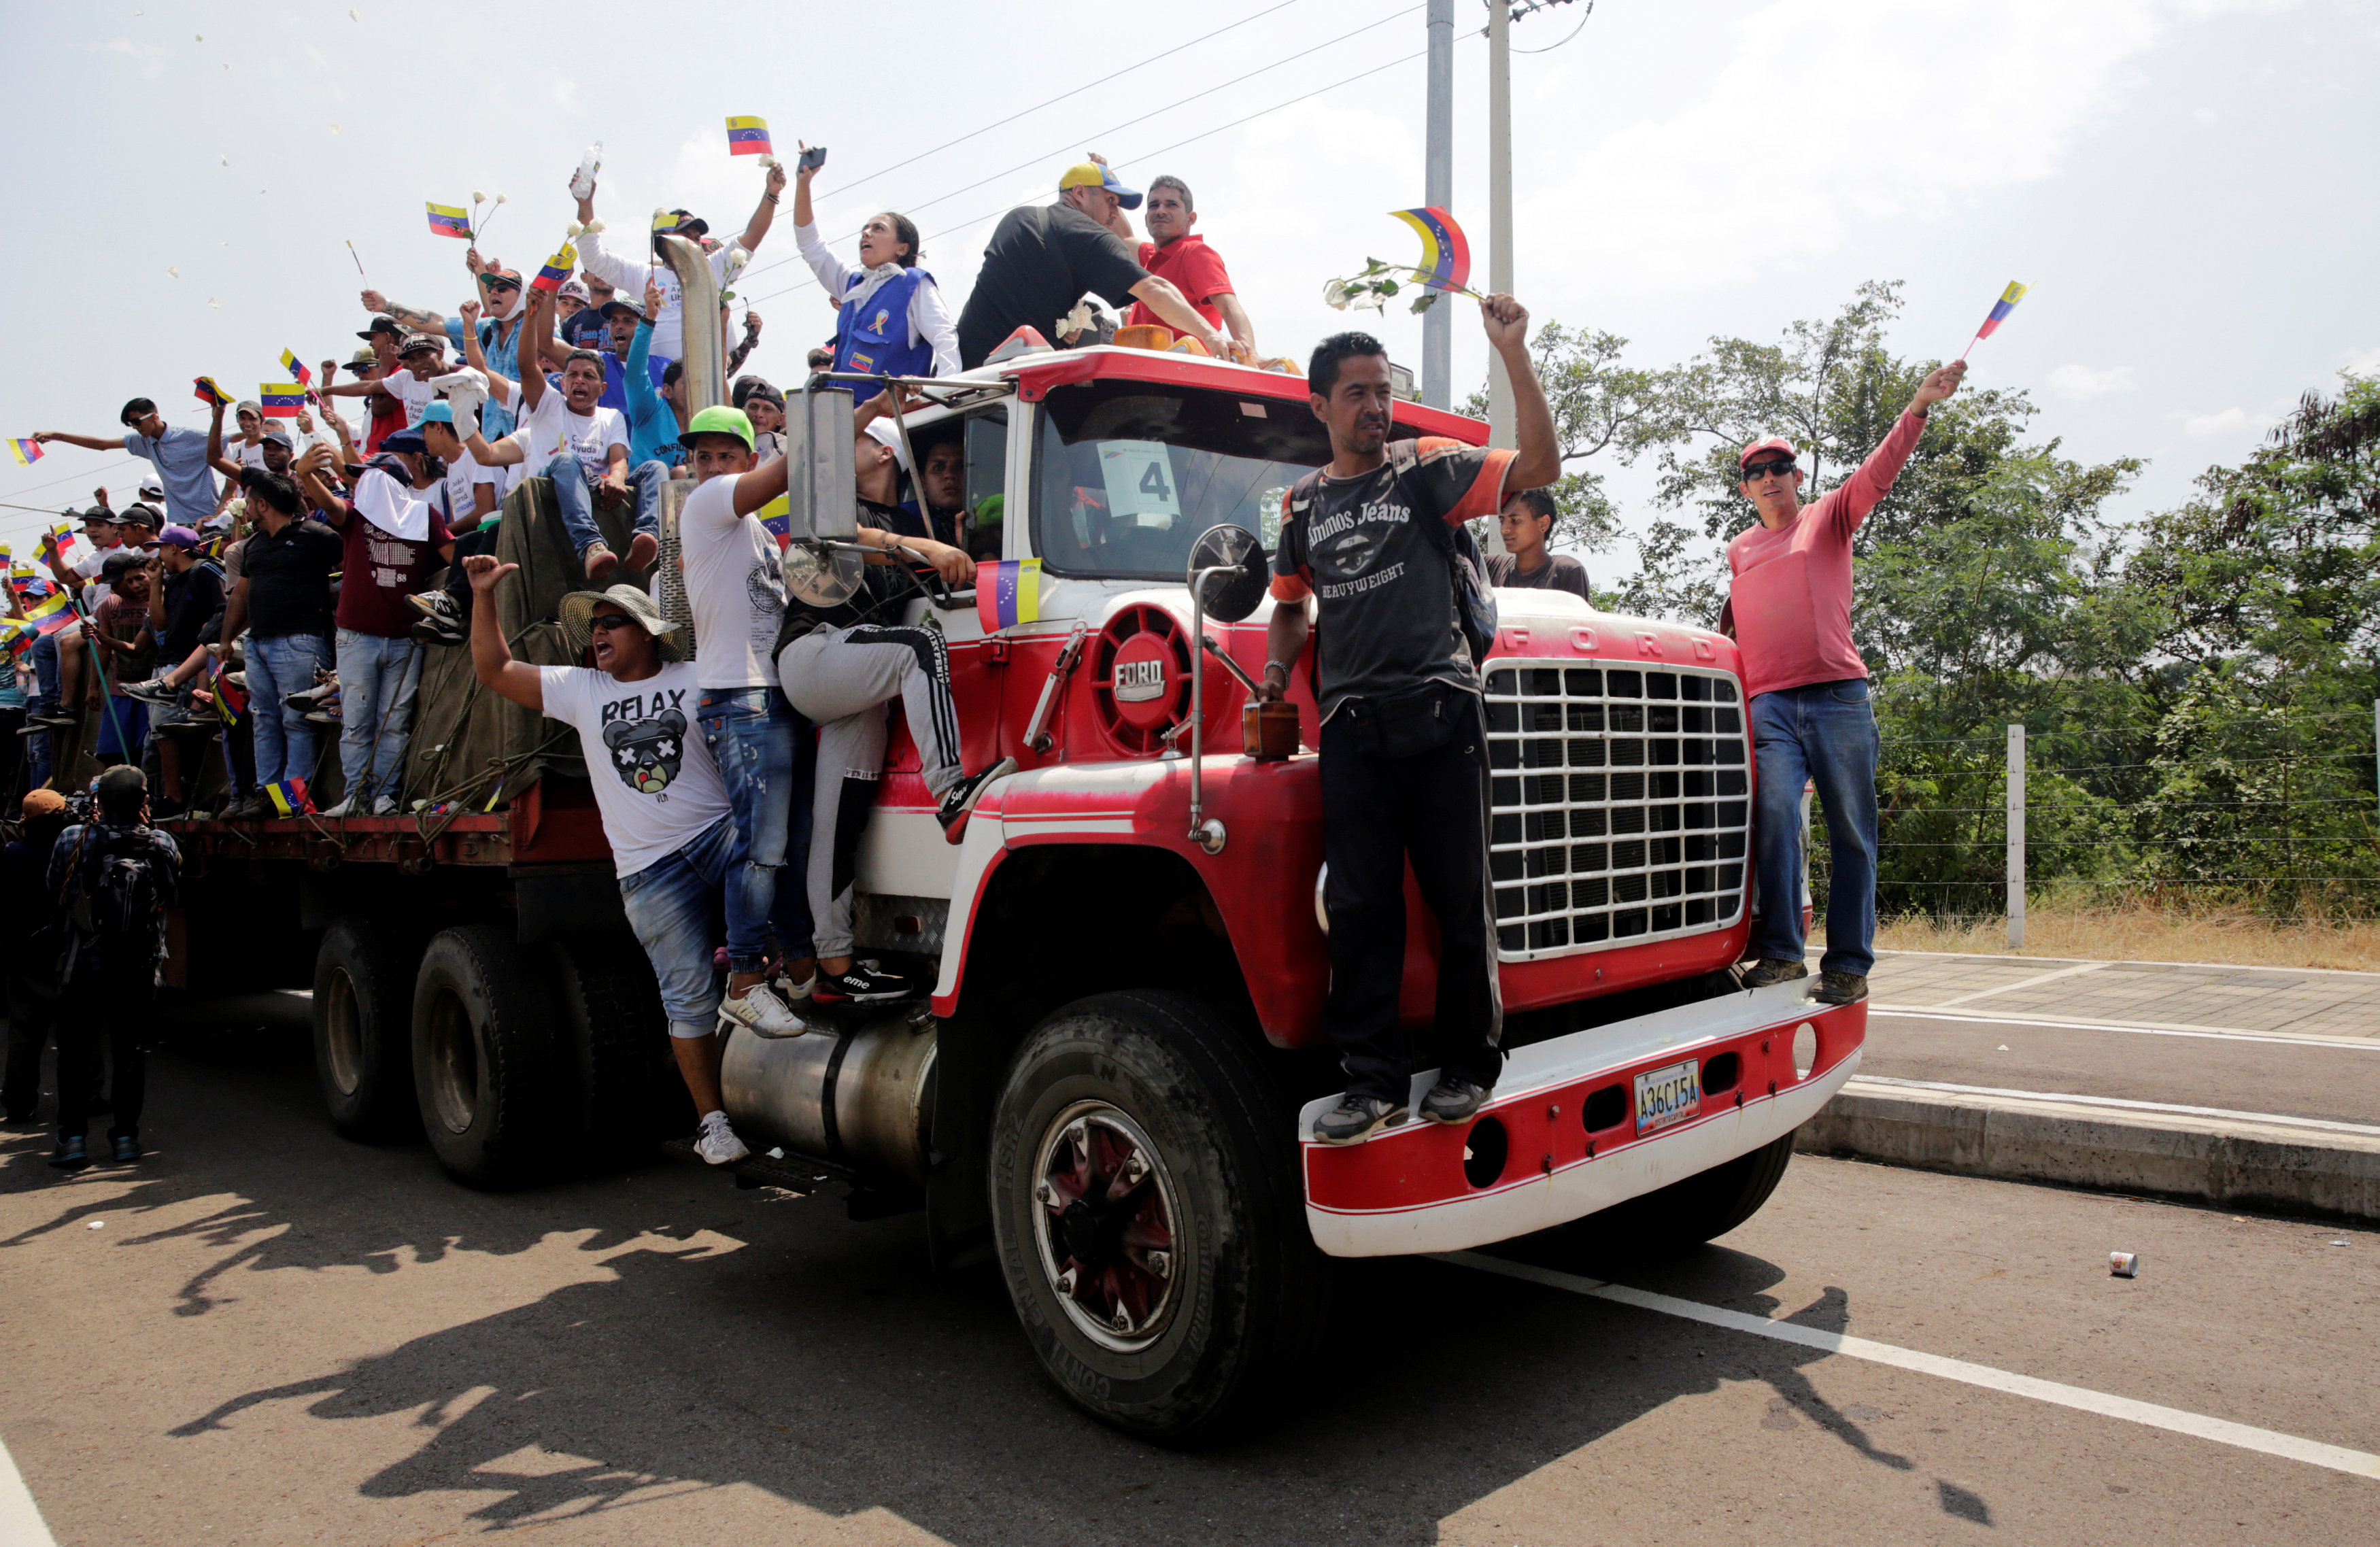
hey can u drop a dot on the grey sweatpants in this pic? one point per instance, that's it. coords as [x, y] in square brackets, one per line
[841, 679]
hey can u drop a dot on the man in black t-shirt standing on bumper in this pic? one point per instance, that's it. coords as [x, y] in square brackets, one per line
[1404, 749]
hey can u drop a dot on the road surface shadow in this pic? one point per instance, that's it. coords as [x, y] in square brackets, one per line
[818, 1359]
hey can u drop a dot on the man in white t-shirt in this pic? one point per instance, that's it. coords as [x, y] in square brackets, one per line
[763, 749]
[583, 446]
[422, 356]
[628, 271]
[664, 811]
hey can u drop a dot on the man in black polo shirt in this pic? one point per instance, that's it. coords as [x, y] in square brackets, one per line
[1042, 258]
[1404, 749]
[283, 599]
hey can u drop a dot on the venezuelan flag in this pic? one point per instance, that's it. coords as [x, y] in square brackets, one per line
[1008, 593]
[777, 516]
[665, 220]
[288, 798]
[447, 221]
[230, 702]
[296, 368]
[558, 269]
[26, 451]
[281, 400]
[1445, 255]
[209, 393]
[748, 137]
[2001, 308]
[54, 614]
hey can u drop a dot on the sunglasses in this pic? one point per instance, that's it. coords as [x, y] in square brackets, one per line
[1782, 468]
[497, 283]
[605, 622]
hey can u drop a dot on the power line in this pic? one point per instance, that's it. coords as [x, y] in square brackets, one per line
[1096, 134]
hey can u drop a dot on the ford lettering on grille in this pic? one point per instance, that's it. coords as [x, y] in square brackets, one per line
[1619, 807]
[1139, 681]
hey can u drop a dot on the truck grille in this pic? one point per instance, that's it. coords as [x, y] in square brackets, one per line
[1617, 809]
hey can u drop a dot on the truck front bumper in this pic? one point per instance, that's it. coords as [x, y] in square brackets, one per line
[1530, 1161]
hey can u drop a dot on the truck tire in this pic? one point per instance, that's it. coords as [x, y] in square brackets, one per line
[1146, 1206]
[363, 1030]
[486, 1067]
[613, 1042]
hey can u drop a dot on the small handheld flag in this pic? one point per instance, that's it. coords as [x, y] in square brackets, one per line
[70, 546]
[289, 797]
[777, 516]
[209, 393]
[1008, 593]
[558, 269]
[281, 400]
[1445, 254]
[53, 613]
[446, 220]
[230, 702]
[26, 451]
[296, 368]
[2000, 309]
[748, 137]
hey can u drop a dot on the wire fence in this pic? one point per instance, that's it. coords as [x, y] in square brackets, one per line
[2261, 817]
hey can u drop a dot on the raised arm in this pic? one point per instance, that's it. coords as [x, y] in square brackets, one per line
[1540, 462]
[88, 442]
[1179, 314]
[215, 457]
[490, 657]
[413, 317]
[756, 230]
[750, 341]
[930, 316]
[537, 332]
[318, 488]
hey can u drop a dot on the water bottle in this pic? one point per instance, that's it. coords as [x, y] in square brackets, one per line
[582, 182]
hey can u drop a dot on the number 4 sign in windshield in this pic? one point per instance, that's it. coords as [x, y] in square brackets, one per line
[1139, 476]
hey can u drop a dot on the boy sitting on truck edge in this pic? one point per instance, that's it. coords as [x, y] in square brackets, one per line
[1404, 749]
[665, 811]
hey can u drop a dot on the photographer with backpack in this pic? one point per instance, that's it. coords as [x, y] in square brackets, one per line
[116, 878]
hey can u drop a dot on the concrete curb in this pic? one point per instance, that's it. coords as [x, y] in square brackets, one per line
[2271, 1167]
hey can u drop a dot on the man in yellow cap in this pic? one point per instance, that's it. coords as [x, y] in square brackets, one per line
[1042, 258]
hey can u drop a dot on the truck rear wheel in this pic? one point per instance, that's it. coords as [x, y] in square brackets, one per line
[613, 1042]
[485, 1065]
[1145, 1200]
[363, 1028]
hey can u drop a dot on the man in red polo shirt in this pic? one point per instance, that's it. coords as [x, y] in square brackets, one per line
[1194, 269]
[1811, 720]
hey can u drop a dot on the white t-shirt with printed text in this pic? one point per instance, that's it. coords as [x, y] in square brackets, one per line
[655, 784]
[554, 429]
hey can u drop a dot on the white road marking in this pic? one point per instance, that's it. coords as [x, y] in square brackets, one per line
[2145, 1028]
[2027, 983]
[20, 1520]
[2271, 1117]
[2221, 1431]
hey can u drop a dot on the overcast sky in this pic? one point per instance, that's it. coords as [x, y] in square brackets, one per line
[2186, 184]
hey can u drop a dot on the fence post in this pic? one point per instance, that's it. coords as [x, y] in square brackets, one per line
[2016, 837]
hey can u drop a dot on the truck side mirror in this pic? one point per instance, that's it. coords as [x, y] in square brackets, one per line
[822, 496]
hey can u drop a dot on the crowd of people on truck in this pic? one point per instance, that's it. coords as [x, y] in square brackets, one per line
[311, 580]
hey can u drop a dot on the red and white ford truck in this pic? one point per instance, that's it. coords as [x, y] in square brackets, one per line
[1109, 1090]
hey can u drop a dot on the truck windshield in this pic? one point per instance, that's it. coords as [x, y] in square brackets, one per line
[1127, 474]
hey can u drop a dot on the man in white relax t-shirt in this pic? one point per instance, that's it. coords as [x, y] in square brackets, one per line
[764, 750]
[674, 839]
[570, 438]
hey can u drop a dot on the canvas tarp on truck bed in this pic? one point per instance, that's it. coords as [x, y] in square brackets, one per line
[465, 738]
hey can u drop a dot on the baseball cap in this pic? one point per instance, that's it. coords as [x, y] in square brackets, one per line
[247, 406]
[1090, 174]
[1774, 443]
[120, 563]
[435, 413]
[501, 277]
[574, 289]
[407, 439]
[688, 224]
[414, 343]
[882, 433]
[278, 434]
[42, 802]
[140, 515]
[152, 490]
[389, 325]
[615, 306]
[98, 513]
[180, 537]
[718, 420]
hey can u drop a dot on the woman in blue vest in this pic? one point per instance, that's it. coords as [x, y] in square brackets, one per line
[892, 322]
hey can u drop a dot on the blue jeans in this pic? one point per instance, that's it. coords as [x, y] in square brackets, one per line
[285, 739]
[765, 757]
[671, 904]
[44, 700]
[377, 679]
[573, 494]
[1823, 733]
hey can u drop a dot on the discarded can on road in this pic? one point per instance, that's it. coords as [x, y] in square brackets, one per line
[2124, 1264]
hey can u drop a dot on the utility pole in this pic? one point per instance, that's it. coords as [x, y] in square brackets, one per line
[1499, 223]
[1438, 322]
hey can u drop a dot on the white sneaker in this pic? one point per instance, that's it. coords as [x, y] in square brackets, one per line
[795, 993]
[385, 806]
[763, 1011]
[717, 1142]
[344, 808]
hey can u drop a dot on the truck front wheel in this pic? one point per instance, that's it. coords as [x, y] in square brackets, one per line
[363, 1014]
[485, 1064]
[1145, 1198]
[1680, 1216]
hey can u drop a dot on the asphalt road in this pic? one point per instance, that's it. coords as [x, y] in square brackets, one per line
[265, 1334]
[2334, 1079]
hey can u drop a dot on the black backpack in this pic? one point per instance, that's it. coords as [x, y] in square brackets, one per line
[1475, 600]
[114, 904]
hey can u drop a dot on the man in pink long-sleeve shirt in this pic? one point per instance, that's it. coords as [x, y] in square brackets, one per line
[1811, 718]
